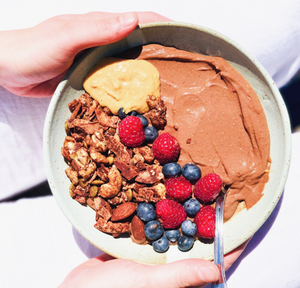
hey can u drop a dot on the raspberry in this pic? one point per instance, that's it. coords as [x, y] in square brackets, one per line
[166, 148]
[205, 221]
[170, 213]
[131, 131]
[208, 188]
[178, 188]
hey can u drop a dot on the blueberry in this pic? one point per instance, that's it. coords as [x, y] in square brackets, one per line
[122, 114]
[171, 170]
[161, 245]
[150, 133]
[153, 230]
[132, 113]
[185, 243]
[172, 235]
[191, 172]
[144, 120]
[188, 228]
[192, 207]
[146, 212]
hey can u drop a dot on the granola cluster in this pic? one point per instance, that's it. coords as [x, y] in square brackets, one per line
[106, 175]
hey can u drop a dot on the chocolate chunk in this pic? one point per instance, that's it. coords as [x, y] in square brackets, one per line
[81, 194]
[91, 109]
[80, 199]
[128, 171]
[75, 112]
[85, 99]
[105, 120]
[122, 153]
[87, 126]
[107, 111]
[140, 166]
[79, 137]
[103, 208]
[72, 105]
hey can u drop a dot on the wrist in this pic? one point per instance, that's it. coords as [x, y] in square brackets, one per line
[8, 55]
[1, 60]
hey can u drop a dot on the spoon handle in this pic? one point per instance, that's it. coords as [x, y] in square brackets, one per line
[218, 241]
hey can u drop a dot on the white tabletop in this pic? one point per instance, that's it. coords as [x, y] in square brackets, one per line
[38, 246]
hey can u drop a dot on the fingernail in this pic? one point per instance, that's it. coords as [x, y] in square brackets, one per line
[208, 274]
[127, 19]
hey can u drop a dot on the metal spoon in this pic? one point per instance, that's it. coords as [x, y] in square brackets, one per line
[218, 241]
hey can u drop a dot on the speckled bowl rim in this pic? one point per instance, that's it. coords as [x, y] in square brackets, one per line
[172, 254]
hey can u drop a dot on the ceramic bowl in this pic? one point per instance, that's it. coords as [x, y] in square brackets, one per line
[191, 38]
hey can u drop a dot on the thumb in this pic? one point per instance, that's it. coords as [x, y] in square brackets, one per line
[186, 273]
[79, 32]
[182, 273]
[102, 271]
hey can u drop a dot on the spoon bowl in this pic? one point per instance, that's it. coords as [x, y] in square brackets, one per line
[218, 241]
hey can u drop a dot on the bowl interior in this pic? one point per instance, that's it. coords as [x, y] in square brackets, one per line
[191, 38]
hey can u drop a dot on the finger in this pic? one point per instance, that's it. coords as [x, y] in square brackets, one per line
[104, 257]
[147, 17]
[231, 257]
[88, 16]
[94, 261]
[85, 266]
[184, 273]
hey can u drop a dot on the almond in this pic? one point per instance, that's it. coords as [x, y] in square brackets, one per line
[137, 230]
[123, 211]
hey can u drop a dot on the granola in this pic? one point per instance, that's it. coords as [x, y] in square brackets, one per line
[105, 174]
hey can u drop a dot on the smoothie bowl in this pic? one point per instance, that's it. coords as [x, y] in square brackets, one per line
[209, 94]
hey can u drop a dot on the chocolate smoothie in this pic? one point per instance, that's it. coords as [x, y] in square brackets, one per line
[217, 118]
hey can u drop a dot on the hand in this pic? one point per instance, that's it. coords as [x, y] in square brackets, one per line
[34, 60]
[105, 271]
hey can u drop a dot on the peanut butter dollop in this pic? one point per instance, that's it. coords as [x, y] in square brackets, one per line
[217, 118]
[118, 83]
